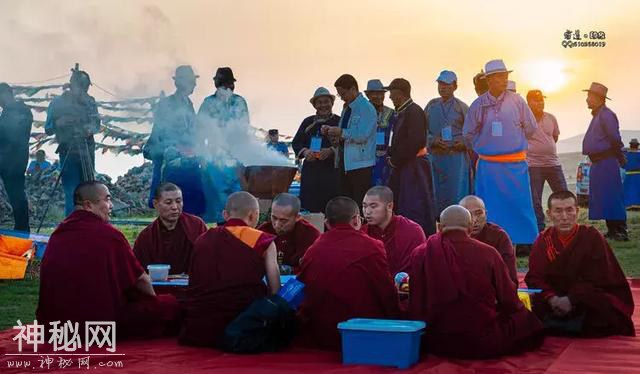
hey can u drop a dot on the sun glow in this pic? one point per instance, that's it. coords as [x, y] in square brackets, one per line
[546, 75]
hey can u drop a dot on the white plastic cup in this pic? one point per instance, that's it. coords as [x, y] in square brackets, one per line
[159, 272]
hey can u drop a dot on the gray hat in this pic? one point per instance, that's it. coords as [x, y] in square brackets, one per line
[185, 71]
[321, 91]
[375, 85]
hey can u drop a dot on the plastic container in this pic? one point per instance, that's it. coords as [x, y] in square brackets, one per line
[293, 292]
[381, 342]
[159, 272]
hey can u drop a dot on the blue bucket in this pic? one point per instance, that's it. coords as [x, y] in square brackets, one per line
[381, 342]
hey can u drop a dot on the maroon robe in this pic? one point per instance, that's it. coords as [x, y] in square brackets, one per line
[587, 271]
[460, 287]
[227, 267]
[400, 238]
[346, 276]
[496, 237]
[293, 245]
[157, 245]
[88, 273]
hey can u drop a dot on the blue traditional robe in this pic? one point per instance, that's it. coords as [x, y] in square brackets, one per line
[450, 166]
[632, 178]
[603, 144]
[497, 129]
[381, 170]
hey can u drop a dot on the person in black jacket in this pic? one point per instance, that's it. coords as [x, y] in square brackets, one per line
[15, 130]
[410, 179]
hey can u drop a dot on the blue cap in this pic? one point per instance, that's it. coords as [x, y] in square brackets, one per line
[375, 85]
[447, 76]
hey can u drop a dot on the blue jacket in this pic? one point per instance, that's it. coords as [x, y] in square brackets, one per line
[360, 135]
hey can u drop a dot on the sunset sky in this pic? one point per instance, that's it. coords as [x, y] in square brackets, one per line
[281, 51]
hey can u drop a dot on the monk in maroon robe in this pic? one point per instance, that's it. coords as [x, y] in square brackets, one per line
[346, 276]
[294, 234]
[89, 273]
[584, 291]
[169, 239]
[491, 234]
[227, 268]
[400, 235]
[460, 287]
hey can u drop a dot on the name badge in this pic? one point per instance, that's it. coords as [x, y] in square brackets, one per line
[316, 144]
[496, 128]
[380, 138]
[447, 134]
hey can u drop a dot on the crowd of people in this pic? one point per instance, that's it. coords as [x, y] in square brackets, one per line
[442, 193]
[462, 279]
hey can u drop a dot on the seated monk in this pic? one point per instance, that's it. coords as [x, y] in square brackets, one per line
[461, 288]
[584, 291]
[490, 233]
[89, 273]
[400, 235]
[169, 239]
[228, 265]
[295, 235]
[346, 276]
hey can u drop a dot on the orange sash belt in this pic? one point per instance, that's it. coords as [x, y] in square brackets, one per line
[422, 152]
[510, 157]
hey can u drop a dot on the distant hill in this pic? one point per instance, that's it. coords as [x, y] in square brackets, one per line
[574, 143]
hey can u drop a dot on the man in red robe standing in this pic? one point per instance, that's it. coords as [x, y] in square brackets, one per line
[227, 268]
[400, 235]
[490, 233]
[169, 239]
[584, 291]
[294, 234]
[89, 273]
[460, 287]
[346, 276]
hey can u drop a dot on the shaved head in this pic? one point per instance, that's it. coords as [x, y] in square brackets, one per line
[384, 193]
[341, 209]
[88, 191]
[288, 200]
[240, 204]
[455, 217]
[472, 200]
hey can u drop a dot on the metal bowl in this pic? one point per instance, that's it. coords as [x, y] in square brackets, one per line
[265, 182]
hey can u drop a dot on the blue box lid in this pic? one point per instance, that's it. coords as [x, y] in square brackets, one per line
[386, 325]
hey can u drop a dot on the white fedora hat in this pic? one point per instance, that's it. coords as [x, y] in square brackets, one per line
[494, 67]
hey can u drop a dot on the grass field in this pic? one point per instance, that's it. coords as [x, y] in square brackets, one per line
[18, 299]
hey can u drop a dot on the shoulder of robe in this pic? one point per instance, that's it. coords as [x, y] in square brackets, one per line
[430, 104]
[306, 225]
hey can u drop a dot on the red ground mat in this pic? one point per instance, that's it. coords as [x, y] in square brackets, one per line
[557, 355]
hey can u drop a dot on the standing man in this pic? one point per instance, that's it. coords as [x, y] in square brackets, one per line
[375, 93]
[497, 125]
[357, 133]
[542, 156]
[632, 177]
[603, 144]
[73, 118]
[224, 106]
[448, 153]
[274, 143]
[173, 126]
[411, 180]
[15, 131]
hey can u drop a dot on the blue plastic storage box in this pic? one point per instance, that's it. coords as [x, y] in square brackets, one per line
[382, 342]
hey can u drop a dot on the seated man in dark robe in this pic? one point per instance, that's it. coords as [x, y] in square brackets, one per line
[490, 233]
[584, 291]
[295, 235]
[346, 276]
[169, 239]
[227, 268]
[89, 273]
[400, 235]
[461, 288]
